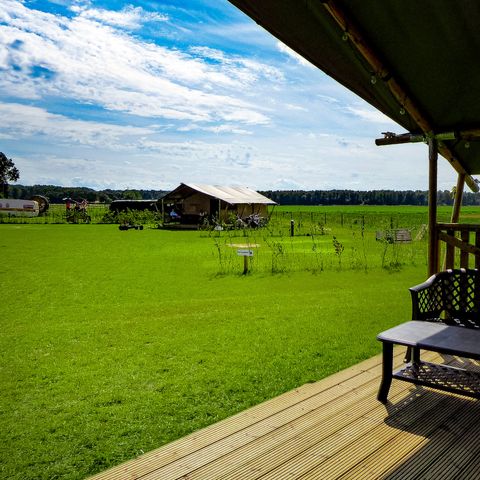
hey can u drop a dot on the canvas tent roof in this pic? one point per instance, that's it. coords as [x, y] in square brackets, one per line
[425, 52]
[231, 195]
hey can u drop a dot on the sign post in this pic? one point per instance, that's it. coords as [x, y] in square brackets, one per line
[244, 251]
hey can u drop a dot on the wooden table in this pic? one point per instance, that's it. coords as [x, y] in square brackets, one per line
[436, 337]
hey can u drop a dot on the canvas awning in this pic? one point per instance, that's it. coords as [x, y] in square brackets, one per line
[231, 195]
[415, 61]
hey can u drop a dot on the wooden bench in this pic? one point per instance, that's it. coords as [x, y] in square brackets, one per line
[446, 319]
[400, 235]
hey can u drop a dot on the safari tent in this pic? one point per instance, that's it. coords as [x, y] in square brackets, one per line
[191, 203]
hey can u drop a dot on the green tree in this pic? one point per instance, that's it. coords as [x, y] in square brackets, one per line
[8, 172]
[132, 195]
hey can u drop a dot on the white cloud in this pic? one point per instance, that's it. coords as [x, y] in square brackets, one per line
[129, 17]
[210, 116]
[90, 62]
[215, 129]
[371, 115]
[25, 122]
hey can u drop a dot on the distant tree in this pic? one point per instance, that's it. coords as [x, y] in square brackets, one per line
[132, 195]
[8, 172]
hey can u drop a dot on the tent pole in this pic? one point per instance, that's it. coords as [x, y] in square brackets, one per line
[433, 252]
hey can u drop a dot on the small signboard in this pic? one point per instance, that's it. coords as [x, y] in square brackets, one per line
[244, 250]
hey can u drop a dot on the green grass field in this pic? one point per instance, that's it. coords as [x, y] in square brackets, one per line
[114, 343]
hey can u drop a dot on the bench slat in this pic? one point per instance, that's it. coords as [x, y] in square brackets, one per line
[436, 337]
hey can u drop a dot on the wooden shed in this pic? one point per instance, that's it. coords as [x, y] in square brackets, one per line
[194, 204]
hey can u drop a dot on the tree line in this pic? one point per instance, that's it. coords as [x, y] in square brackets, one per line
[57, 194]
[370, 197]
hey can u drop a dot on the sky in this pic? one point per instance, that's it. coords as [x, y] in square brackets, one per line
[150, 94]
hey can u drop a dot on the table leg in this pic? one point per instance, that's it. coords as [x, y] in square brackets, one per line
[387, 370]
[415, 355]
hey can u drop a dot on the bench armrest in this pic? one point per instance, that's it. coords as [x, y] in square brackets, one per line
[451, 297]
[426, 300]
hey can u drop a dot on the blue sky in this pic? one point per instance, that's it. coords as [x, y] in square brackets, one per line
[146, 94]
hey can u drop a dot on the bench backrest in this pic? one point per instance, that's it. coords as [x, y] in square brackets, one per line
[451, 297]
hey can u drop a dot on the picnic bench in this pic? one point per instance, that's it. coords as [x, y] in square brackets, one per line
[399, 235]
[445, 319]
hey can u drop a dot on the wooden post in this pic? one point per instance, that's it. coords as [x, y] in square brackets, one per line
[477, 257]
[449, 261]
[457, 202]
[449, 253]
[432, 206]
[465, 236]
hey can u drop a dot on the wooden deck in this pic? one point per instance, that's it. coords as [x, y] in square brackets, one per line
[334, 428]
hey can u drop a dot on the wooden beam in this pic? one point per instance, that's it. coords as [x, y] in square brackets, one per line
[352, 32]
[473, 227]
[396, 139]
[463, 244]
[432, 206]
[391, 138]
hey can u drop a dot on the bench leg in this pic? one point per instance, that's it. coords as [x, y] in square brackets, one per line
[387, 368]
[412, 355]
[408, 355]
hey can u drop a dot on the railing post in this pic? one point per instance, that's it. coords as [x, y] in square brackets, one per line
[450, 252]
[477, 244]
[465, 236]
[433, 253]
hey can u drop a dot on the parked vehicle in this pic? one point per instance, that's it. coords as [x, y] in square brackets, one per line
[14, 207]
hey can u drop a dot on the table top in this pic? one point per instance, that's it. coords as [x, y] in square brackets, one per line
[435, 337]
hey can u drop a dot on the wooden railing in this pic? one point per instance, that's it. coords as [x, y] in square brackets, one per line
[462, 241]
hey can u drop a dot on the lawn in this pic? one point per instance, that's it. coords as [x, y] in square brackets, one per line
[114, 343]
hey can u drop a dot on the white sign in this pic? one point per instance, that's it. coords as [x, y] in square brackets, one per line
[243, 252]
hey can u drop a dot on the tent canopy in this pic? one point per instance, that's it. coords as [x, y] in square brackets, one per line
[417, 62]
[231, 195]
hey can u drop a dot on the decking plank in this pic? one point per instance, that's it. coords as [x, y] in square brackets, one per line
[178, 449]
[343, 461]
[414, 440]
[271, 449]
[337, 453]
[439, 445]
[328, 429]
[279, 425]
[292, 437]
